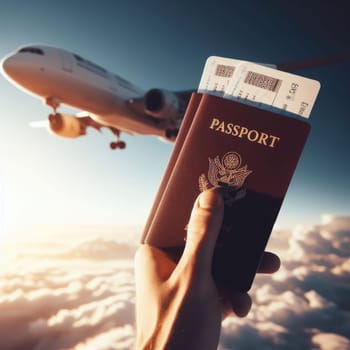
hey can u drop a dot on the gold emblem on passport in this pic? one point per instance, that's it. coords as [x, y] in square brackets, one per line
[227, 173]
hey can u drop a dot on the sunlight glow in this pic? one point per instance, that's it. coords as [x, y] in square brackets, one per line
[2, 210]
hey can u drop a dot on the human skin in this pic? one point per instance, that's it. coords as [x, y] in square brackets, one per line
[178, 305]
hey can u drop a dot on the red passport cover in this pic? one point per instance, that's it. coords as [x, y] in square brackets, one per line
[185, 125]
[250, 152]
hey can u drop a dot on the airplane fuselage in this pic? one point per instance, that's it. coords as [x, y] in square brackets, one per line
[55, 74]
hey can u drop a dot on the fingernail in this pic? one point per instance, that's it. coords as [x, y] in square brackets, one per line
[210, 199]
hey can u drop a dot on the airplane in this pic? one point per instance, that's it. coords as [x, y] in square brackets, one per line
[105, 99]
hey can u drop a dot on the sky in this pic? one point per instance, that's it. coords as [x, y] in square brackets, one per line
[46, 180]
[72, 211]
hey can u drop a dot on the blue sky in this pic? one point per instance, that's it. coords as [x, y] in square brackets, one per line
[46, 180]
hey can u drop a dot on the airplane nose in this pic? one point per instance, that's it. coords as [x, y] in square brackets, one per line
[19, 70]
[12, 68]
[9, 66]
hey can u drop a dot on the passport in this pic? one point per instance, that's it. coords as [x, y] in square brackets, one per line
[185, 125]
[250, 152]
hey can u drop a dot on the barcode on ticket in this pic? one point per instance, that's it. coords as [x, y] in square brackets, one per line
[224, 71]
[262, 81]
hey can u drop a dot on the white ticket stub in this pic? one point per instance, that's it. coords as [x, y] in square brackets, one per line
[259, 85]
[263, 86]
[217, 74]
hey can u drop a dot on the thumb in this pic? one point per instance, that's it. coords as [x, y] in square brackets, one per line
[203, 229]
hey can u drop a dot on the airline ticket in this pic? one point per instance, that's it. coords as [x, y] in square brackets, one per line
[259, 85]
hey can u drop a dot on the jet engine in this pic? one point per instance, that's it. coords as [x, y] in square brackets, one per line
[66, 125]
[162, 104]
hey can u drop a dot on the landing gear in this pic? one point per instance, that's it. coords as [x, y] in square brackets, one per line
[119, 144]
[57, 122]
[53, 102]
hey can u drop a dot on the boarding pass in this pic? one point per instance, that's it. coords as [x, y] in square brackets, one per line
[259, 85]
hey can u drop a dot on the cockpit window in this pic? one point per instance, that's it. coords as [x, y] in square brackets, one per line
[32, 50]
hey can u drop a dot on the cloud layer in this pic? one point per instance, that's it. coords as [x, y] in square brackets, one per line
[306, 304]
[82, 298]
[64, 303]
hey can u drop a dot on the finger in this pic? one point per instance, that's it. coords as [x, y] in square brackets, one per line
[152, 266]
[203, 229]
[241, 304]
[269, 263]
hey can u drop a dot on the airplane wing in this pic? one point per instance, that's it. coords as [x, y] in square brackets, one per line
[162, 104]
[73, 126]
[87, 121]
[58, 121]
[184, 99]
[311, 63]
[185, 95]
[83, 120]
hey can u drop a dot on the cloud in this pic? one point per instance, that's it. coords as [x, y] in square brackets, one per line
[306, 304]
[101, 249]
[46, 307]
[83, 298]
[69, 327]
[121, 338]
[95, 249]
[330, 341]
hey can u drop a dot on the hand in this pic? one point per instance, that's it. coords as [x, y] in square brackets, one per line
[178, 305]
